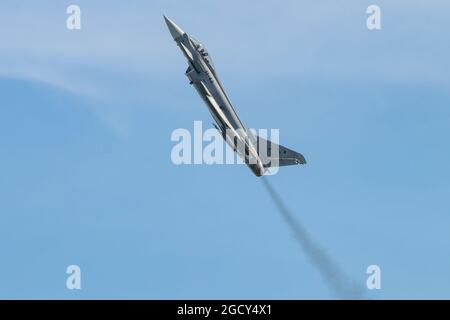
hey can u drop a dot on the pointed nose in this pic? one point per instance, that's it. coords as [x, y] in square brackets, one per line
[175, 30]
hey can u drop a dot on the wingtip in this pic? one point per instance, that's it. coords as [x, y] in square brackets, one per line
[300, 159]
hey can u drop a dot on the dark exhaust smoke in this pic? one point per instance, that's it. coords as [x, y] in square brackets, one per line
[335, 278]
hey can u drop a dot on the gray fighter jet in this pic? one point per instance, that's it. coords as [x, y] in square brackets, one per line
[259, 154]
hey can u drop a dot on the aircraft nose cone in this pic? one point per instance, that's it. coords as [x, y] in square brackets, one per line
[175, 30]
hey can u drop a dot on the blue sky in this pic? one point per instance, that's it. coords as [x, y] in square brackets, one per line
[86, 176]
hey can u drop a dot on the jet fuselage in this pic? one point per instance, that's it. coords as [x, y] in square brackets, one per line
[203, 77]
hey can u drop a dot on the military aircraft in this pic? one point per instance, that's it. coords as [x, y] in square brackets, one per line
[258, 153]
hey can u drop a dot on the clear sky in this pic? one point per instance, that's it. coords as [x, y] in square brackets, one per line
[86, 176]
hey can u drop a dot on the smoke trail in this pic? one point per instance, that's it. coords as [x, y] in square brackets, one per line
[342, 286]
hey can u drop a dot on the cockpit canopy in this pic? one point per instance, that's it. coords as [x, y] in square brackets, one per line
[200, 48]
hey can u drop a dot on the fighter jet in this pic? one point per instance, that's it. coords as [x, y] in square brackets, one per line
[258, 153]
